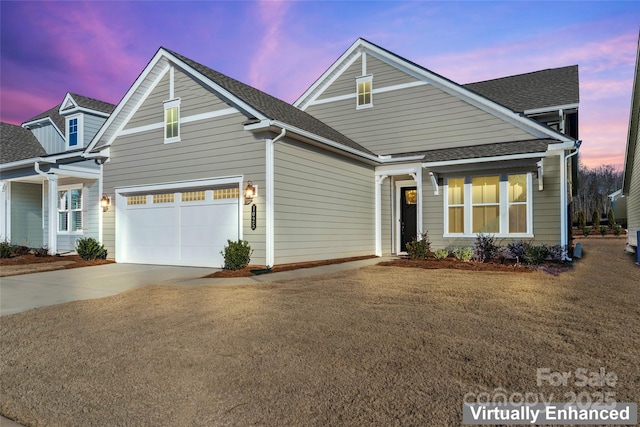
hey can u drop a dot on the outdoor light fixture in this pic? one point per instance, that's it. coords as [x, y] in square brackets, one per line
[105, 201]
[250, 193]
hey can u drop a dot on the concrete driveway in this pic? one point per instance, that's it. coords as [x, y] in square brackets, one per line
[28, 291]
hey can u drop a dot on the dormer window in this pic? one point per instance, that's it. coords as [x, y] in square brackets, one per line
[364, 89]
[172, 121]
[74, 132]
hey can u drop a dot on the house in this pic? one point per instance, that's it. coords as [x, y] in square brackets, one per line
[618, 203]
[49, 192]
[375, 152]
[631, 178]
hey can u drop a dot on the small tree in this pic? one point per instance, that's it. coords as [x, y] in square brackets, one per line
[582, 220]
[611, 219]
[595, 219]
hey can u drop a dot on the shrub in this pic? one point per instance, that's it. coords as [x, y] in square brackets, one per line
[5, 249]
[582, 220]
[611, 219]
[419, 248]
[89, 249]
[20, 250]
[236, 254]
[595, 218]
[518, 250]
[537, 254]
[617, 230]
[485, 247]
[603, 230]
[557, 252]
[586, 231]
[41, 251]
[441, 254]
[463, 254]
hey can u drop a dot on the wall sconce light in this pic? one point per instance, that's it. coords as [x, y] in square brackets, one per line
[250, 192]
[105, 202]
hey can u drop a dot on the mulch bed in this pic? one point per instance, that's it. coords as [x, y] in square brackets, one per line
[246, 272]
[32, 259]
[553, 268]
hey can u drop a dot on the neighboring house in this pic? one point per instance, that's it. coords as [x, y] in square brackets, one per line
[49, 192]
[377, 151]
[618, 203]
[631, 180]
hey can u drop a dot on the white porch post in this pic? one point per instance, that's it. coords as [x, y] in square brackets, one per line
[5, 213]
[378, 201]
[52, 243]
[418, 178]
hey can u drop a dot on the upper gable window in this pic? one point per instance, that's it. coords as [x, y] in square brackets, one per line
[172, 121]
[363, 88]
[74, 132]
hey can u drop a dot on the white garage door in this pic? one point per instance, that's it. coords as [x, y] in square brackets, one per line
[179, 227]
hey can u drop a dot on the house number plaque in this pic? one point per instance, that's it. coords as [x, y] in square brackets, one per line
[254, 211]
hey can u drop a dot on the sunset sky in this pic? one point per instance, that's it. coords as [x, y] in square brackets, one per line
[98, 49]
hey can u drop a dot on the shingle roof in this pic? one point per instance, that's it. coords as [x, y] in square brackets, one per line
[271, 106]
[52, 113]
[93, 104]
[485, 150]
[539, 89]
[18, 143]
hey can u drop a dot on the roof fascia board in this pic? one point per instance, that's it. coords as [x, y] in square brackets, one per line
[75, 173]
[21, 163]
[454, 89]
[42, 121]
[79, 109]
[68, 99]
[328, 77]
[484, 160]
[551, 109]
[125, 100]
[631, 149]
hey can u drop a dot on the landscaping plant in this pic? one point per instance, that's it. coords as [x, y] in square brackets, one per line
[236, 254]
[603, 230]
[463, 254]
[617, 230]
[419, 248]
[586, 231]
[582, 220]
[536, 255]
[611, 218]
[518, 250]
[441, 254]
[89, 249]
[557, 252]
[41, 251]
[5, 249]
[485, 247]
[20, 250]
[595, 219]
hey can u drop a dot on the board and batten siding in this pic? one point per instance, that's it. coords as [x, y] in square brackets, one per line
[324, 205]
[49, 138]
[26, 214]
[210, 148]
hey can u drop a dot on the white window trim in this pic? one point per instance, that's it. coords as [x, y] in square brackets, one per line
[359, 80]
[504, 209]
[168, 105]
[68, 231]
[80, 118]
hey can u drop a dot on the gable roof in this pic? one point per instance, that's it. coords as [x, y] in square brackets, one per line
[73, 100]
[421, 73]
[18, 143]
[256, 104]
[53, 115]
[634, 128]
[552, 87]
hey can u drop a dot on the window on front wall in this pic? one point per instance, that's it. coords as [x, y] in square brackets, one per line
[172, 121]
[73, 132]
[70, 209]
[489, 204]
[363, 88]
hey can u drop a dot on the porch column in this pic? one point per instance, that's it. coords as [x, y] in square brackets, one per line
[418, 178]
[52, 238]
[378, 201]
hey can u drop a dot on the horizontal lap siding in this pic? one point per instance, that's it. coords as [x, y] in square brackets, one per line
[345, 83]
[633, 200]
[387, 222]
[323, 205]
[211, 148]
[546, 204]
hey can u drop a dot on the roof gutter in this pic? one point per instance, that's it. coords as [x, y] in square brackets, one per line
[564, 196]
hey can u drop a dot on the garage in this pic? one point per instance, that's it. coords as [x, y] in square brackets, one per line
[177, 226]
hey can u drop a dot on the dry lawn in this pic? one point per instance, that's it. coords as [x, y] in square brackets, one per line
[379, 346]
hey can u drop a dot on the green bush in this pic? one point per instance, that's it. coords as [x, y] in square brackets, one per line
[586, 231]
[617, 230]
[582, 220]
[611, 219]
[536, 255]
[20, 249]
[595, 219]
[89, 249]
[419, 248]
[463, 254]
[41, 251]
[5, 249]
[236, 254]
[485, 247]
[441, 254]
[603, 230]
[518, 250]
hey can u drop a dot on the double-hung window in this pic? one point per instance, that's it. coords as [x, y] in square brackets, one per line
[363, 92]
[73, 132]
[493, 204]
[172, 121]
[70, 209]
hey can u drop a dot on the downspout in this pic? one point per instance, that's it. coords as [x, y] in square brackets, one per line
[270, 198]
[52, 180]
[565, 197]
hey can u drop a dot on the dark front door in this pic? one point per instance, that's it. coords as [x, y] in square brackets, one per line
[408, 216]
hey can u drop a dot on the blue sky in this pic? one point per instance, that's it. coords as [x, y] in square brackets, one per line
[97, 49]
